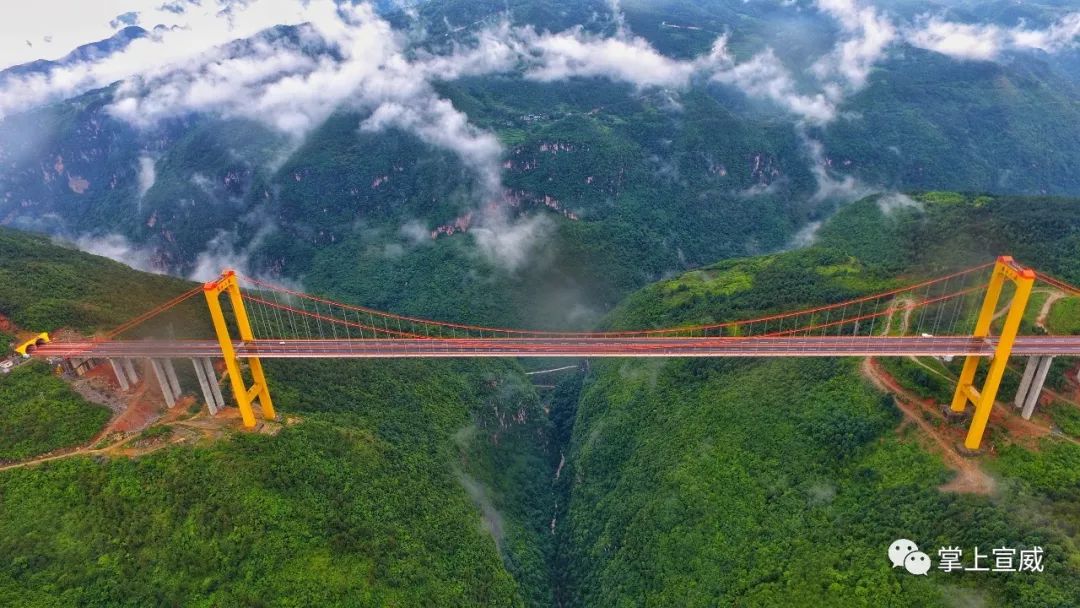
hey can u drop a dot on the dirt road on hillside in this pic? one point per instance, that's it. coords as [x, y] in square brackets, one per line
[970, 478]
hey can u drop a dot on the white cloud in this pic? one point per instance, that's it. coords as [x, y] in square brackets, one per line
[181, 68]
[119, 248]
[49, 29]
[1061, 35]
[622, 29]
[415, 233]
[805, 236]
[225, 251]
[867, 35]
[202, 28]
[437, 122]
[281, 82]
[496, 49]
[348, 56]
[844, 188]
[574, 53]
[511, 244]
[987, 41]
[895, 201]
[285, 84]
[764, 76]
[147, 174]
[960, 40]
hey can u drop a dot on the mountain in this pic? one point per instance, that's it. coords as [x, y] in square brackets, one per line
[626, 184]
[542, 164]
[780, 482]
[688, 482]
[965, 126]
[408, 483]
[85, 53]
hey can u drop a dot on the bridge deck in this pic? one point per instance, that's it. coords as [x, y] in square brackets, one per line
[827, 346]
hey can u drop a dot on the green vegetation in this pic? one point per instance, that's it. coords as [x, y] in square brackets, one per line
[744, 288]
[156, 432]
[775, 483]
[933, 232]
[367, 499]
[300, 519]
[40, 413]
[400, 483]
[1052, 472]
[922, 113]
[631, 184]
[927, 377]
[688, 483]
[636, 218]
[1067, 418]
[47, 286]
[684, 482]
[471, 431]
[1035, 303]
[780, 482]
[658, 180]
[1064, 317]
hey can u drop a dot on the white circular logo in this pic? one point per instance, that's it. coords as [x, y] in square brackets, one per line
[899, 550]
[917, 562]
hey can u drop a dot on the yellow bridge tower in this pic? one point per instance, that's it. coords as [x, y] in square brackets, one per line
[1006, 269]
[228, 283]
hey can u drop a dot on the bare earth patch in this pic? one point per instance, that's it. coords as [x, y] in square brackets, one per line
[141, 409]
[970, 478]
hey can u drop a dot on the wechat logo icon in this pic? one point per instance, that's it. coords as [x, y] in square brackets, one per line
[905, 553]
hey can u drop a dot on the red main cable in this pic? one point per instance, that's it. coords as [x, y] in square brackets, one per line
[1062, 285]
[556, 334]
[888, 311]
[373, 329]
[630, 333]
[153, 312]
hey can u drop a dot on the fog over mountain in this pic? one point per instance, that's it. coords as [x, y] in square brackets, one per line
[200, 133]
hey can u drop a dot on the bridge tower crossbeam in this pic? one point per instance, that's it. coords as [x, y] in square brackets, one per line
[229, 284]
[1005, 269]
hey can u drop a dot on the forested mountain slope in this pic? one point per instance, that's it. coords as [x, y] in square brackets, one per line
[781, 482]
[775, 481]
[401, 483]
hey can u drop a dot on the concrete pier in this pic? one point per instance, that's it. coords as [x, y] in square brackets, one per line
[170, 373]
[163, 382]
[204, 384]
[1036, 387]
[121, 376]
[1025, 381]
[212, 379]
[129, 369]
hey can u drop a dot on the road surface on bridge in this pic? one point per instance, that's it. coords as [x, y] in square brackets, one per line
[760, 346]
[948, 316]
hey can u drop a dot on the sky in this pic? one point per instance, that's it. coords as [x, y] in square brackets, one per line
[50, 29]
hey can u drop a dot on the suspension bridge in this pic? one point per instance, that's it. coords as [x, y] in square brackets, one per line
[975, 313]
